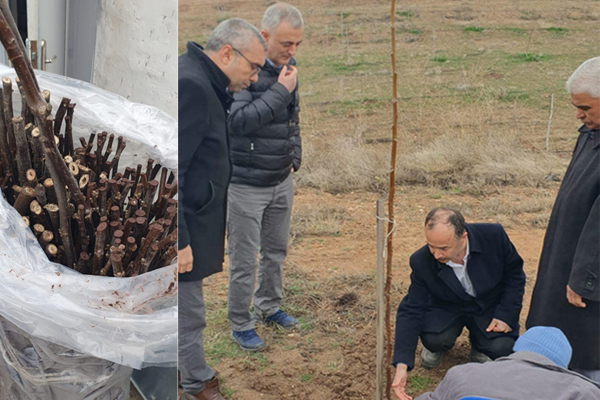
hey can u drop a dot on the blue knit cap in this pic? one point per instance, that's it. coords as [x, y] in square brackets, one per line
[547, 341]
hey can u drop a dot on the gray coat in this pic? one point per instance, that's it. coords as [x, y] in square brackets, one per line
[520, 376]
[264, 131]
[570, 256]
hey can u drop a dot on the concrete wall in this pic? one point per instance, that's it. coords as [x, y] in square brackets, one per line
[136, 51]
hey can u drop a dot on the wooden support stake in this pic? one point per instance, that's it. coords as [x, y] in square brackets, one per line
[549, 122]
[380, 364]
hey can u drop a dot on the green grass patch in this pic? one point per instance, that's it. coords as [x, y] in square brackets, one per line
[345, 15]
[419, 383]
[305, 325]
[531, 57]
[439, 59]
[227, 391]
[557, 30]
[406, 14]
[222, 347]
[516, 31]
[513, 95]
[293, 290]
[306, 377]
[472, 29]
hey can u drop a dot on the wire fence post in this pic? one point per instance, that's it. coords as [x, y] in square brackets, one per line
[379, 386]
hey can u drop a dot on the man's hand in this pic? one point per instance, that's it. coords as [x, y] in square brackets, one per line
[288, 77]
[185, 259]
[574, 298]
[399, 383]
[498, 326]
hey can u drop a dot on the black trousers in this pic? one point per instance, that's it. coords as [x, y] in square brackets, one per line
[499, 346]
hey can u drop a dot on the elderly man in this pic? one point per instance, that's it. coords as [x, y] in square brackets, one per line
[467, 275]
[567, 289]
[234, 54]
[536, 371]
[265, 151]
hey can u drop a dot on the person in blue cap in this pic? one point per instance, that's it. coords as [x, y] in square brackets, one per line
[537, 370]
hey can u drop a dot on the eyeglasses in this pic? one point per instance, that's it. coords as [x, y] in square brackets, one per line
[255, 67]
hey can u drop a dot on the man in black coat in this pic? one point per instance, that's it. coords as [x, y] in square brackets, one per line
[467, 275]
[234, 54]
[265, 150]
[567, 289]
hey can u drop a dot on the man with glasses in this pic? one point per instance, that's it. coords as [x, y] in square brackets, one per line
[207, 77]
[265, 151]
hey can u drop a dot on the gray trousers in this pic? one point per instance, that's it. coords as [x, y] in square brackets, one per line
[194, 371]
[257, 217]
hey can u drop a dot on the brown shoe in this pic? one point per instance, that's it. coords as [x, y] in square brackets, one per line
[211, 391]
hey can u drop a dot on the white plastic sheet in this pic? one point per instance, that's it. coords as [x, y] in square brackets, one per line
[129, 321]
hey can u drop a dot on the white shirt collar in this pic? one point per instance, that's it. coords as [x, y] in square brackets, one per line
[465, 258]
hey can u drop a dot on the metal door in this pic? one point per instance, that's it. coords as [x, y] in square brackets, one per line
[63, 33]
[51, 16]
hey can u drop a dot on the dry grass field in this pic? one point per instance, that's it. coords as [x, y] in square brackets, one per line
[475, 86]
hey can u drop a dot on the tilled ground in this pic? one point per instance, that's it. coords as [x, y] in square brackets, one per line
[330, 285]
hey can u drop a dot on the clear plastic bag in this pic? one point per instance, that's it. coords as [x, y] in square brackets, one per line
[35, 369]
[128, 321]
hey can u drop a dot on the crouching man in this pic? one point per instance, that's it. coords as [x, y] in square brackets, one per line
[467, 275]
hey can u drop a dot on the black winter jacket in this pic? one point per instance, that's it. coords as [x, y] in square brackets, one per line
[204, 163]
[436, 299]
[265, 135]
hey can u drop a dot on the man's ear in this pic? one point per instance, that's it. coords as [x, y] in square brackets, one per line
[226, 54]
[265, 35]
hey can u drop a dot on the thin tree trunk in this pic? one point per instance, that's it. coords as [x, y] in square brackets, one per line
[391, 222]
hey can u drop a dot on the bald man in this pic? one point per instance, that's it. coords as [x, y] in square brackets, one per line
[467, 275]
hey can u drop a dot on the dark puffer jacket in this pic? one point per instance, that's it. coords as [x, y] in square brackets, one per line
[264, 131]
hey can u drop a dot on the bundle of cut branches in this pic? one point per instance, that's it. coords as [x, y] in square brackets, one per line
[124, 223]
